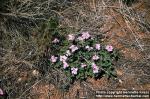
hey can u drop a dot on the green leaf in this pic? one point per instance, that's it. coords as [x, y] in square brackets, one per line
[78, 76]
[89, 74]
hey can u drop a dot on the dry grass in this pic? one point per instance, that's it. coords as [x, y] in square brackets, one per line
[25, 40]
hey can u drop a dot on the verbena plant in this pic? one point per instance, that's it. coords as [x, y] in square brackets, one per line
[81, 55]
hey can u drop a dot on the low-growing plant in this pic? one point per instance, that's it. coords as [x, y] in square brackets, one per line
[81, 56]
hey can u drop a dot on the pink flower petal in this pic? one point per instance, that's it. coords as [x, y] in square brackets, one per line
[65, 65]
[86, 35]
[71, 37]
[1, 92]
[63, 58]
[83, 65]
[73, 48]
[53, 59]
[95, 57]
[55, 40]
[95, 68]
[97, 46]
[109, 48]
[74, 70]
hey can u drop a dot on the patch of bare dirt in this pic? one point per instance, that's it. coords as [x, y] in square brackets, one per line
[44, 91]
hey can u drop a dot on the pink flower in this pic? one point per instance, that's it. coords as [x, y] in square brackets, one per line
[97, 46]
[73, 48]
[95, 68]
[65, 64]
[83, 65]
[74, 70]
[1, 92]
[63, 58]
[68, 53]
[88, 48]
[71, 37]
[86, 35]
[109, 48]
[95, 57]
[55, 40]
[53, 59]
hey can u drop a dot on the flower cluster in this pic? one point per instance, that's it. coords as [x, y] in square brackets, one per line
[84, 36]
[84, 56]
